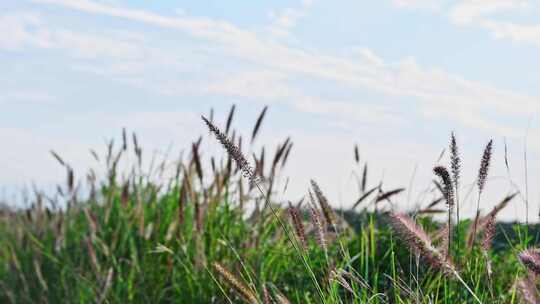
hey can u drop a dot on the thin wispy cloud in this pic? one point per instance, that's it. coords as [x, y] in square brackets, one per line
[405, 78]
[497, 17]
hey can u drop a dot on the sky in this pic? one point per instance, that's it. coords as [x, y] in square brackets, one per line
[395, 77]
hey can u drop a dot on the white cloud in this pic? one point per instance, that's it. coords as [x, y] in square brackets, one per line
[369, 56]
[485, 14]
[482, 13]
[27, 96]
[470, 11]
[431, 87]
[28, 30]
[522, 34]
[267, 86]
[430, 5]
[354, 112]
[284, 21]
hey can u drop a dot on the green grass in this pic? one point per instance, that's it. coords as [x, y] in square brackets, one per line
[151, 242]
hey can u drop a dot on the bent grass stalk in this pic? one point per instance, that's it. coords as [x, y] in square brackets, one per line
[243, 164]
[417, 240]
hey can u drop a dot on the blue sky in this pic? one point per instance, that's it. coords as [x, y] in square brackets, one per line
[396, 77]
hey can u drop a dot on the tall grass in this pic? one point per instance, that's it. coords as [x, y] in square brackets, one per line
[210, 229]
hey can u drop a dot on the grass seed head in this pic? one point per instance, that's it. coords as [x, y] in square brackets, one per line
[417, 240]
[527, 291]
[530, 258]
[298, 226]
[233, 151]
[323, 202]
[318, 223]
[448, 190]
[484, 166]
[455, 161]
[489, 233]
[236, 284]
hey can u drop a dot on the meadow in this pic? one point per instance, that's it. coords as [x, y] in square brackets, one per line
[218, 230]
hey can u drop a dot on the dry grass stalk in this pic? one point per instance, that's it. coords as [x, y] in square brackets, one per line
[197, 161]
[39, 275]
[444, 246]
[92, 255]
[171, 230]
[439, 187]
[124, 139]
[148, 231]
[427, 211]
[286, 156]
[234, 282]
[481, 222]
[364, 177]
[198, 216]
[137, 148]
[124, 198]
[495, 211]
[106, 286]
[261, 163]
[230, 119]
[364, 196]
[281, 298]
[92, 221]
[182, 199]
[258, 124]
[280, 153]
[200, 259]
[58, 158]
[471, 234]
[386, 195]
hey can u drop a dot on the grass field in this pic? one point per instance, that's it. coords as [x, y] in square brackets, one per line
[222, 236]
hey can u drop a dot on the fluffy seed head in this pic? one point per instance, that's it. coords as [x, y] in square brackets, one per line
[489, 234]
[455, 161]
[448, 190]
[338, 277]
[233, 151]
[317, 220]
[323, 202]
[527, 291]
[530, 258]
[484, 166]
[235, 283]
[266, 296]
[417, 240]
[298, 226]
